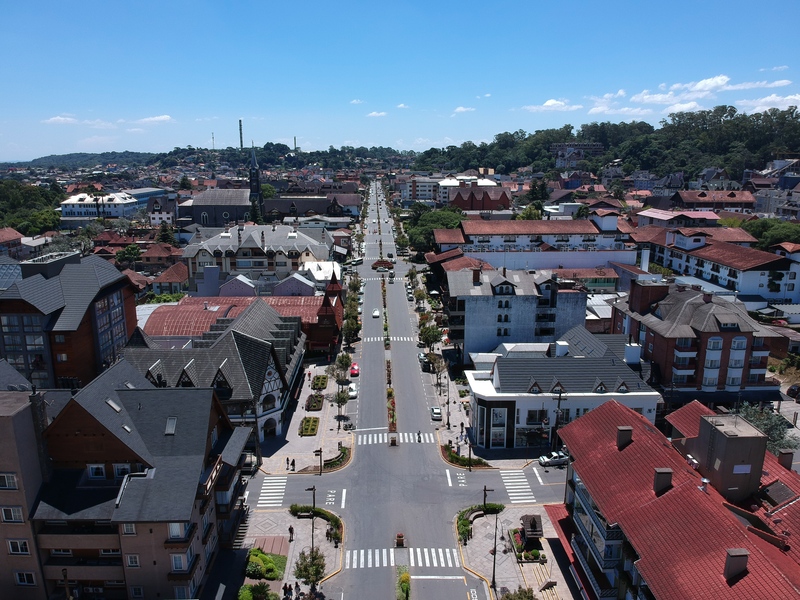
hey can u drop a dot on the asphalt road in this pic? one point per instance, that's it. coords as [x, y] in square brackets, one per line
[406, 488]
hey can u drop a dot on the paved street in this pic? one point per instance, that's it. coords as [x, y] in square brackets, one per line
[407, 488]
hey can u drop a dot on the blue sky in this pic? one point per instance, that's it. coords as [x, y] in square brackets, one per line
[95, 76]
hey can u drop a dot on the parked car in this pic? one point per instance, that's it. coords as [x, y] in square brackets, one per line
[354, 370]
[376, 313]
[352, 391]
[436, 413]
[793, 391]
[554, 459]
[410, 297]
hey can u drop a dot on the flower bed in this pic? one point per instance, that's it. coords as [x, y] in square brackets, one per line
[466, 516]
[314, 402]
[320, 382]
[462, 461]
[309, 426]
[391, 407]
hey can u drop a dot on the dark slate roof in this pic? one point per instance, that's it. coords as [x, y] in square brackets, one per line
[9, 376]
[235, 444]
[10, 272]
[72, 291]
[64, 498]
[576, 375]
[222, 198]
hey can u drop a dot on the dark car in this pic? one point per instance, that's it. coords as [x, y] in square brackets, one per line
[793, 391]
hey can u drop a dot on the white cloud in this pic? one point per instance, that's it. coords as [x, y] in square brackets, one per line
[60, 120]
[463, 109]
[401, 105]
[376, 114]
[487, 95]
[158, 119]
[201, 119]
[771, 101]
[685, 93]
[553, 105]
[356, 101]
[682, 107]
[780, 68]
[135, 130]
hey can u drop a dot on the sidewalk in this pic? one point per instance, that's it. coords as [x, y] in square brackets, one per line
[293, 446]
[509, 574]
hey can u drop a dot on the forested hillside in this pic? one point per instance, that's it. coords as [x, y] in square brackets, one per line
[29, 208]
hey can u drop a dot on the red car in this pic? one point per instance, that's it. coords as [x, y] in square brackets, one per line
[354, 370]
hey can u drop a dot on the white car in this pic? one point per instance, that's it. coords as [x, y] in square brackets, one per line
[376, 313]
[360, 309]
[352, 391]
[436, 413]
[361, 299]
[554, 459]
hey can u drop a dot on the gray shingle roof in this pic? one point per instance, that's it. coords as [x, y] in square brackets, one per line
[223, 198]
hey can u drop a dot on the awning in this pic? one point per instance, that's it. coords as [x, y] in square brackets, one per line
[235, 446]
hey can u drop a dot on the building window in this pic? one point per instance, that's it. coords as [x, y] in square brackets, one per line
[506, 304]
[499, 304]
[181, 592]
[715, 343]
[24, 578]
[739, 343]
[499, 318]
[789, 287]
[792, 275]
[204, 218]
[18, 547]
[499, 331]
[737, 363]
[128, 529]
[733, 381]
[177, 530]
[62, 357]
[60, 338]
[137, 591]
[8, 481]
[109, 552]
[709, 381]
[178, 563]
[505, 318]
[60, 552]
[132, 561]
[12, 514]
[96, 471]
[505, 331]
[711, 364]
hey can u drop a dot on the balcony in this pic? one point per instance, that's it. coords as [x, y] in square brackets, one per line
[686, 351]
[599, 522]
[599, 582]
[85, 569]
[687, 368]
[79, 536]
[182, 575]
[182, 542]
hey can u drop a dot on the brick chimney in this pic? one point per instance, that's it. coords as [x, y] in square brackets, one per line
[476, 276]
[624, 436]
[643, 295]
[785, 458]
[662, 480]
[735, 563]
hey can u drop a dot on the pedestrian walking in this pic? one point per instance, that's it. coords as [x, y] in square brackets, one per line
[287, 463]
[296, 588]
[292, 464]
[419, 436]
[291, 533]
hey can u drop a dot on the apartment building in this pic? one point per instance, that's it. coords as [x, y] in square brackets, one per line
[709, 516]
[66, 320]
[698, 340]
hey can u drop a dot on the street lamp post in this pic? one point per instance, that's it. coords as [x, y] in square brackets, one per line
[66, 584]
[448, 401]
[494, 553]
[313, 490]
[554, 436]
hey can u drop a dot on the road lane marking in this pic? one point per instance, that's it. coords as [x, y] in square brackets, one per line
[344, 495]
[449, 481]
[539, 477]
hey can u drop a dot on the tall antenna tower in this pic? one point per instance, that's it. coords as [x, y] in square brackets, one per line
[241, 139]
[212, 141]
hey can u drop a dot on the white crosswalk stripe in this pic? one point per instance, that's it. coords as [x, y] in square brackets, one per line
[517, 486]
[402, 338]
[366, 439]
[374, 558]
[272, 491]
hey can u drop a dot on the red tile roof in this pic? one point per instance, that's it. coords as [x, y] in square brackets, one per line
[687, 418]
[658, 235]
[586, 273]
[566, 227]
[681, 536]
[448, 236]
[305, 307]
[177, 273]
[736, 257]
[719, 197]
[788, 246]
[9, 234]
[466, 262]
[138, 280]
[433, 258]
[190, 317]
[161, 250]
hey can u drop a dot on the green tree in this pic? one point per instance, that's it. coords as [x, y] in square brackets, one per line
[310, 567]
[401, 241]
[267, 191]
[350, 330]
[128, 255]
[166, 235]
[341, 399]
[582, 212]
[771, 424]
[521, 594]
[185, 184]
[430, 336]
[530, 213]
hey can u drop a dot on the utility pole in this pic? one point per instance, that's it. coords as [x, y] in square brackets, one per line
[485, 490]
[448, 401]
[469, 461]
[494, 553]
[319, 453]
[313, 490]
[554, 435]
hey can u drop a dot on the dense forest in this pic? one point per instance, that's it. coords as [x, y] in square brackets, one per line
[29, 208]
[686, 141]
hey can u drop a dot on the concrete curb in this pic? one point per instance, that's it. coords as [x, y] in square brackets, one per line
[464, 564]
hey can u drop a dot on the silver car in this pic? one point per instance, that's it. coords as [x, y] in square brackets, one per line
[553, 459]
